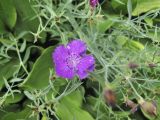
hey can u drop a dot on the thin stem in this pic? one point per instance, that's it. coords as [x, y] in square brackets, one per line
[20, 59]
[127, 78]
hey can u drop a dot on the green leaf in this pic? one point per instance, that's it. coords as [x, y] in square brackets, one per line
[23, 46]
[9, 108]
[29, 50]
[69, 108]
[29, 95]
[7, 70]
[8, 13]
[126, 42]
[39, 76]
[129, 8]
[119, 1]
[27, 21]
[122, 8]
[145, 5]
[2, 27]
[137, 45]
[6, 42]
[44, 117]
[10, 99]
[104, 25]
[24, 114]
[154, 35]
[121, 40]
[149, 21]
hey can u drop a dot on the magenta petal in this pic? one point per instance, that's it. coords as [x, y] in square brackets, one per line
[85, 66]
[72, 60]
[77, 46]
[60, 54]
[62, 70]
[93, 3]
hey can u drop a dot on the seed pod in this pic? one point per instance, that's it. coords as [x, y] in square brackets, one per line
[110, 97]
[149, 108]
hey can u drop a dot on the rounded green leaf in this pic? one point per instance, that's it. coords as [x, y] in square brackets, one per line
[13, 99]
[27, 19]
[39, 76]
[7, 70]
[24, 114]
[70, 108]
[145, 5]
[8, 13]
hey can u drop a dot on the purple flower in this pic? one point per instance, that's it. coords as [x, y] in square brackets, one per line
[71, 60]
[93, 3]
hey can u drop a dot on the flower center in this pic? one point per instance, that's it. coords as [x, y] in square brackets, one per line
[73, 60]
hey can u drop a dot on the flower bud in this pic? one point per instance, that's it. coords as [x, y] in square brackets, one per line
[93, 3]
[110, 97]
[132, 105]
[149, 108]
[152, 65]
[133, 65]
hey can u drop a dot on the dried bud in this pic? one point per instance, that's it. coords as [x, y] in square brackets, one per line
[132, 65]
[53, 77]
[149, 108]
[132, 105]
[152, 65]
[109, 97]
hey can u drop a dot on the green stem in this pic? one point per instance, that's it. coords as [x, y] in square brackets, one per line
[134, 89]
[20, 59]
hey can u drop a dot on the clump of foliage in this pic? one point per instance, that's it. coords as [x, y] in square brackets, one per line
[122, 35]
